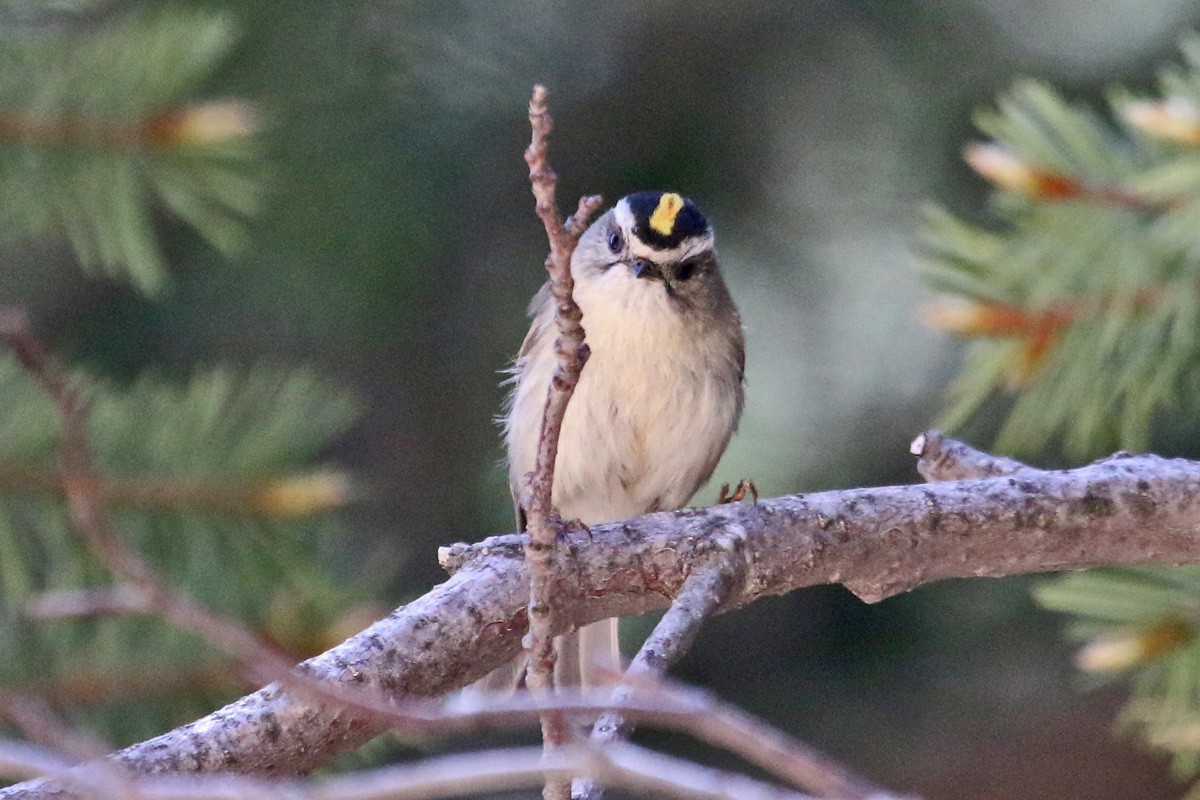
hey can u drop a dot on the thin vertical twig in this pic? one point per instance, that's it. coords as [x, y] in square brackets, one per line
[571, 352]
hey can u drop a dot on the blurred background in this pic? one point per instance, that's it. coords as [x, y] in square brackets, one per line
[398, 248]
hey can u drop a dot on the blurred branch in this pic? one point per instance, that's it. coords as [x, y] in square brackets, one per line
[617, 764]
[34, 717]
[28, 761]
[79, 689]
[293, 496]
[211, 122]
[876, 541]
[625, 766]
[106, 602]
[701, 595]
[89, 515]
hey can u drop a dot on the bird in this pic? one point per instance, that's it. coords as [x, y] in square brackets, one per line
[657, 401]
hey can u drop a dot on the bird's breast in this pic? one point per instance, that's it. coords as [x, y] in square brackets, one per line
[652, 413]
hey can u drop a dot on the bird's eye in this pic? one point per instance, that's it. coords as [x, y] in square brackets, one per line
[685, 271]
[615, 240]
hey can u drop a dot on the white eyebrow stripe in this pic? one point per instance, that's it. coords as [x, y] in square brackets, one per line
[686, 249]
[623, 215]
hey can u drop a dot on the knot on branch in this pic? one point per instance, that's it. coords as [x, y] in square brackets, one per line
[942, 459]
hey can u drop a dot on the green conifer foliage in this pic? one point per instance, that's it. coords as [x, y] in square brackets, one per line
[1082, 304]
[102, 128]
[107, 120]
[213, 483]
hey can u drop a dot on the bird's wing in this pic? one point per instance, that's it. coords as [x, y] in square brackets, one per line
[541, 314]
[588, 656]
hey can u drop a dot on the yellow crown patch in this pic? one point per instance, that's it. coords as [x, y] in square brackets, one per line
[662, 221]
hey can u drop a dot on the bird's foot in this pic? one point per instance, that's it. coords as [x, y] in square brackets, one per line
[744, 486]
[565, 527]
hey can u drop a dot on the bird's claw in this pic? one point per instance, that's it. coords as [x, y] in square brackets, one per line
[565, 527]
[744, 486]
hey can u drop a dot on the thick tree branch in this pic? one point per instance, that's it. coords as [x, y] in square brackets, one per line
[878, 542]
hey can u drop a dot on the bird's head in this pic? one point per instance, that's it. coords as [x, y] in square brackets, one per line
[652, 244]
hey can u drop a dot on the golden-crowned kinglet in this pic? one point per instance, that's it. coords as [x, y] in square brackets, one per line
[659, 397]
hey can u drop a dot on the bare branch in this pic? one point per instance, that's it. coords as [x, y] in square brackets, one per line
[727, 727]
[27, 761]
[34, 717]
[624, 766]
[105, 602]
[647, 772]
[89, 517]
[785, 757]
[701, 595]
[631, 768]
[288, 496]
[39, 724]
[460, 774]
[571, 354]
[878, 541]
[664, 705]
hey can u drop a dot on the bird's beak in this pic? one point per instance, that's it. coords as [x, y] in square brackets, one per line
[643, 268]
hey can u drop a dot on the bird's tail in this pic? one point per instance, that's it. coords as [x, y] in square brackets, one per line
[587, 658]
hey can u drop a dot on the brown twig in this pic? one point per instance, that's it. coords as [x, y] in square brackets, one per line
[79, 689]
[34, 717]
[571, 352]
[85, 506]
[290, 496]
[103, 602]
[624, 766]
[699, 598]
